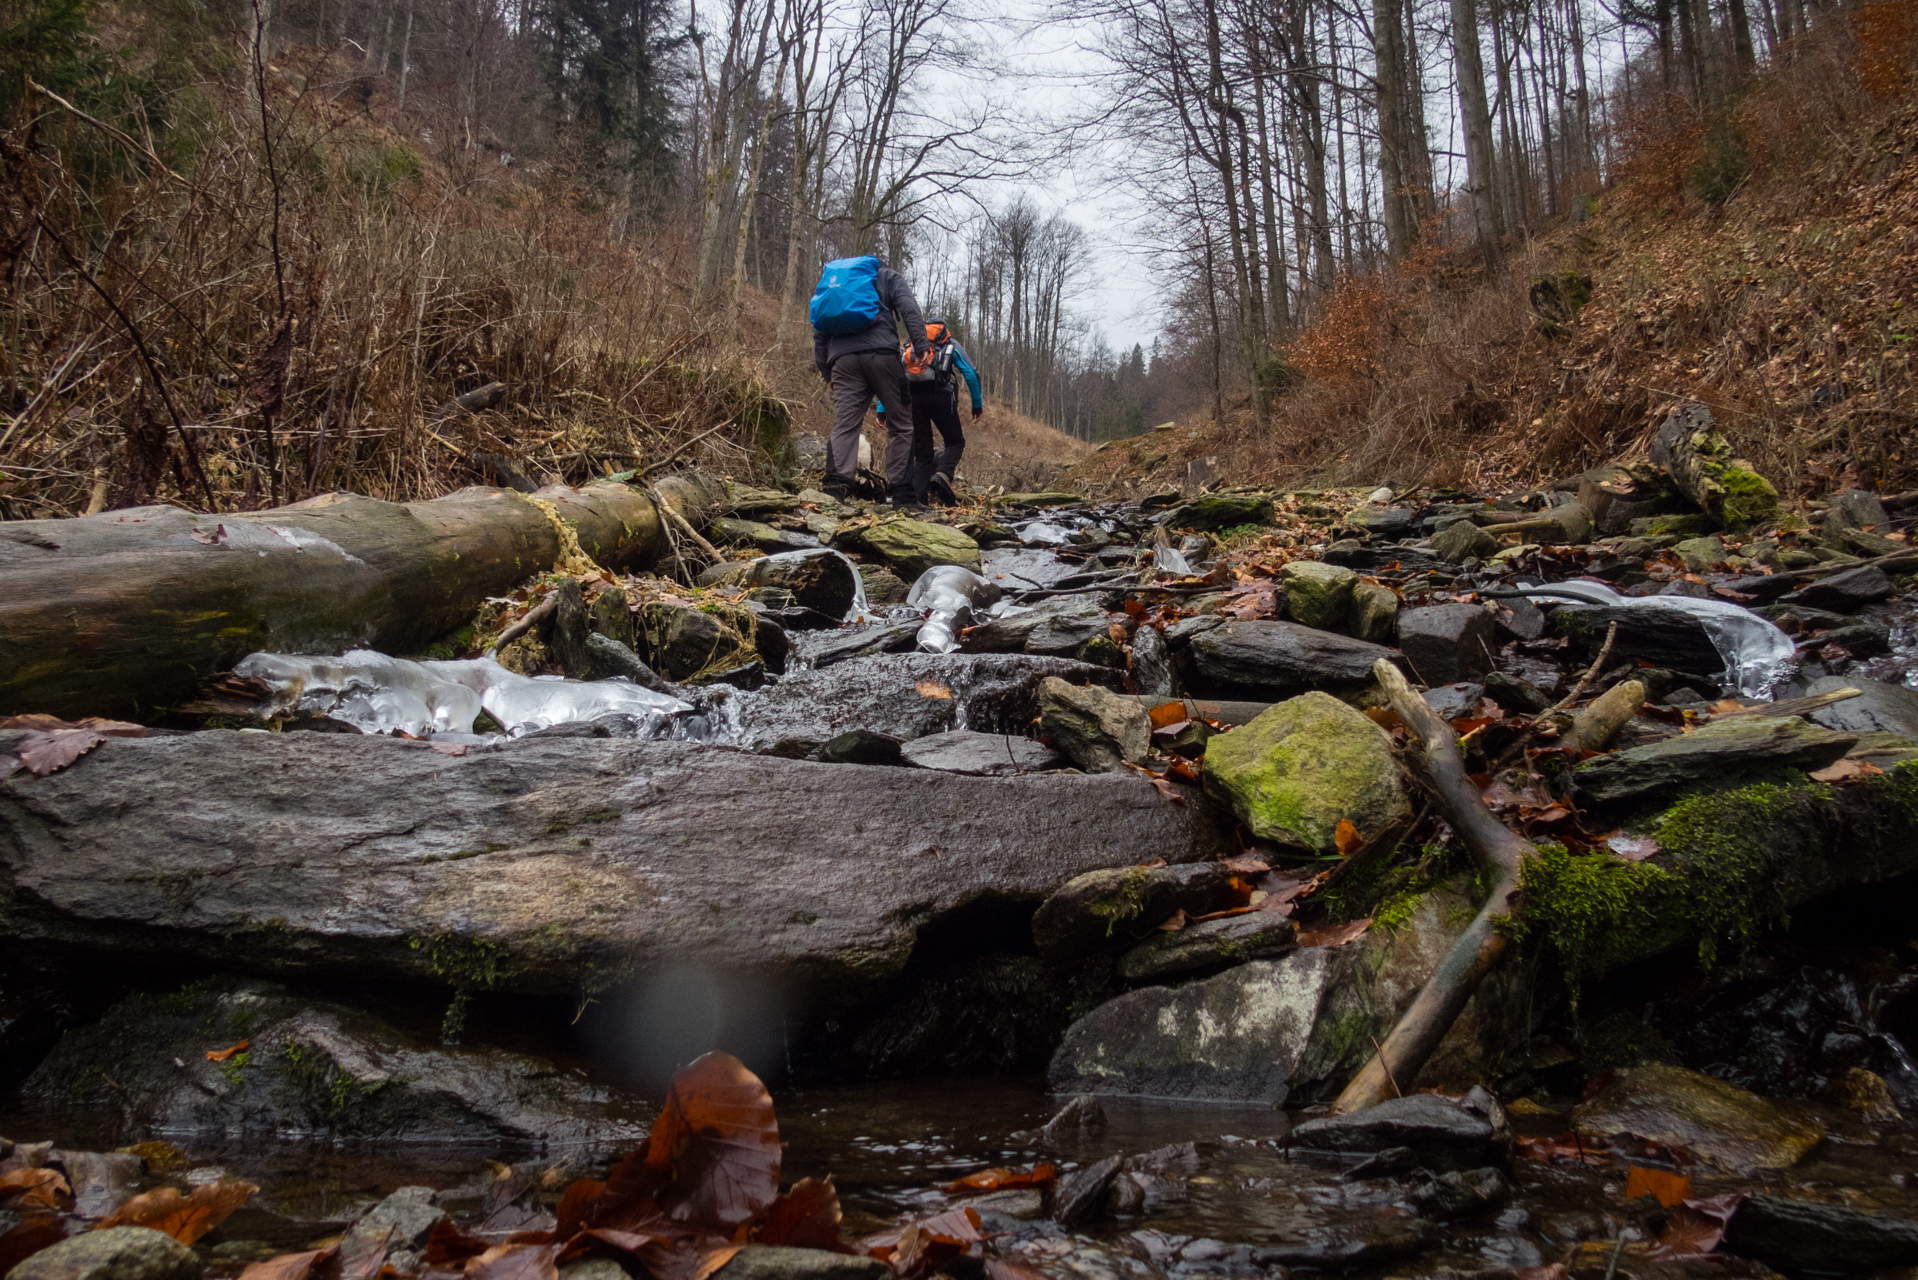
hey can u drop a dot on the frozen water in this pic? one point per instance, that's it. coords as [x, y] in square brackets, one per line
[376, 693]
[1167, 560]
[950, 593]
[1043, 533]
[1758, 656]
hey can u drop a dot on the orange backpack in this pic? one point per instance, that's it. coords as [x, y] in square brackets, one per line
[927, 369]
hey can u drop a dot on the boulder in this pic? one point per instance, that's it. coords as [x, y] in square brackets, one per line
[403, 1221]
[1443, 1134]
[777, 1262]
[1388, 524]
[688, 644]
[1096, 728]
[1119, 906]
[1375, 613]
[541, 866]
[1880, 708]
[1270, 661]
[1318, 594]
[863, 642]
[1859, 509]
[1726, 753]
[1844, 592]
[1516, 694]
[1067, 622]
[1731, 1129]
[1151, 664]
[1455, 701]
[1445, 643]
[883, 586]
[1462, 540]
[1701, 555]
[609, 659]
[1222, 511]
[861, 746]
[1210, 944]
[1804, 1236]
[761, 537]
[1302, 767]
[910, 547]
[821, 580]
[979, 755]
[1656, 635]
[1517, 618]
[314, 1067]
[118, 1253]
[1700, 463]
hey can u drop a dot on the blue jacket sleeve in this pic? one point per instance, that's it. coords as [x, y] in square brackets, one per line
[878, 405]
[970, 374]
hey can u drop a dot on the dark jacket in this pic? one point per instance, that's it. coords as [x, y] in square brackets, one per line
[895, 299]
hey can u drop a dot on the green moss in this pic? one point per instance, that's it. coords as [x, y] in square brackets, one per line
[1127, 902]
[233, 1066]
[1101, 652]
[1584, 907]
[1397, 911]
[468, 963]
[1732, 858]
[181, 1003]
[1749, 497]
[1683, 526]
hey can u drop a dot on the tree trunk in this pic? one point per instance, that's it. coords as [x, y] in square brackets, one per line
[1389, 70]
[1481, 167]
[122, 613]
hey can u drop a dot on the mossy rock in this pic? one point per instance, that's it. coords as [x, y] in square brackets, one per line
[1223, 511]
[910, 547]
[1302, 767]
[1688, 525]
[1726, 1127]
[1102, 909]
[1318, 594]
[1700, 462]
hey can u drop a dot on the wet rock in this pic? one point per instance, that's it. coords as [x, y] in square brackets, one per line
[864, 642]
[1388, 524]
[1299, 769]
[821, 580]
[1350, 1246]
[1859, 509]
[1700, 463]
[593, 1269]
[1798, 1235]
[1881, 707]
[1222, 511]
[761, 537]
[1446, 1134]
[1455, 701]
[1096, 728]
[1516, 694]
[689, 645]
[992, 693]
[1866, 1093]
[1078, 1195]
[1318, 594]
[778, 1262]
[1375, 612]
[1069, 621]
[611, 616]
[1701, 555]
[1081, 632]
[862, 746]
[1460, 1193]
[100, 1179]
[1271, 661]
[1240, 1036]
[389, 858]
[609, 659]
[403, 1220]
[883, 586]
[1726, 753]
[910, 547]
[1659, 636]
[1447, 642]
[1462, 540]
[1210, 944]
[1517, 618]
[1021, 1204]
[1101, 909]
[1729, 1128]
[1844, 592]
[118, 1253]
[979, 755]
[312, 1067]
[1152, 664]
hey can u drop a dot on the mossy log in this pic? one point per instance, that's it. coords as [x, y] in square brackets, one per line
[125, 613]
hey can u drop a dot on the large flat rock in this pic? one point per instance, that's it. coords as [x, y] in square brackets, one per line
[542, 865]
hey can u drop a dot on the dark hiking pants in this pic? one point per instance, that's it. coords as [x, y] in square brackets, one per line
[857, 377]
[934, 403]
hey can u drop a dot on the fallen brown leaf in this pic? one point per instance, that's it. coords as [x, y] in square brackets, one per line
[290, 1266]
[1347, 838]
[1334, 935]
[1667, 1188]
[27, 1237]
[1696, 1226]
[980, 1183]
[931, 689]
[33, 1189]
[1843, 769]
[49, 752]
[806, 1217]
[222, 1055]
[185, 1218]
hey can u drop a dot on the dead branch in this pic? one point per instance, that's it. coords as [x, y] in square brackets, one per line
[1591, 672]
[1501, 855]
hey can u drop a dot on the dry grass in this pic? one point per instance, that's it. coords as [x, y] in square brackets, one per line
[1789, 308]
[229, 332]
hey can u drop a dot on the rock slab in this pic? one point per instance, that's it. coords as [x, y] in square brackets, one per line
[1729, 1128]
[559, 863]
[1097, 729]
[118, 1253]
[1270, 661]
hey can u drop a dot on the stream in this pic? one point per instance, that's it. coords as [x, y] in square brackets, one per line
[1837, 991]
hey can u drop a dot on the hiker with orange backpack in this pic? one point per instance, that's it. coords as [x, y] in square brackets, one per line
[934, 396]
[856, 310]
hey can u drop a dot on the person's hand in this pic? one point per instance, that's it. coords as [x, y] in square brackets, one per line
[978, 413]
[881, 417]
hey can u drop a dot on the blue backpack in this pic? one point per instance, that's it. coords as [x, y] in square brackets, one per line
[847, 298]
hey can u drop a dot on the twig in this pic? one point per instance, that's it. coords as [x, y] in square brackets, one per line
[125, 139]
[1611, 1268]
[534, 616]
[1591, 672]
[654, 466]
[1380, 1050]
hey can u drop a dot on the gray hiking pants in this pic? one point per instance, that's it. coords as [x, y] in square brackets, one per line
[857, 377]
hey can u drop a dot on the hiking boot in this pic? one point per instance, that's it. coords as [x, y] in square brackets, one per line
[941, 486]
[838, 492]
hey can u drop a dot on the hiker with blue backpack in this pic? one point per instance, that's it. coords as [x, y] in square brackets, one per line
[934, 393]
[856, 310]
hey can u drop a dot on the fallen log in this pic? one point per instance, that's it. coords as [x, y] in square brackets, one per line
[124, 613]
[1501, 853]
